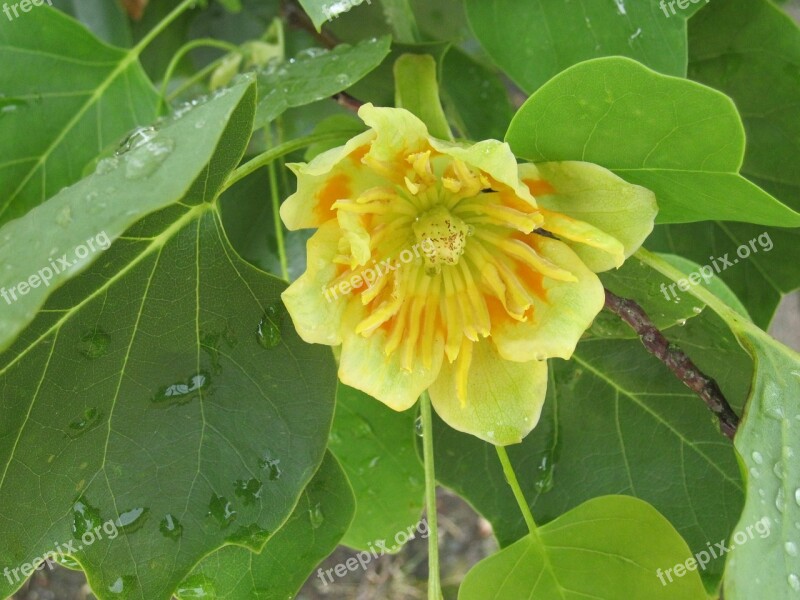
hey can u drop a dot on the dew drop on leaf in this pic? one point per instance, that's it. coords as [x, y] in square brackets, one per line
[171, 528]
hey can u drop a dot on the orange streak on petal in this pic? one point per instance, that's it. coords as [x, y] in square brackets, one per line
[359, 153]
[336, 188]
[539, 187]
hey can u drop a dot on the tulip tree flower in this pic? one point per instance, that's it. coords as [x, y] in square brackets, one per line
[505, 280]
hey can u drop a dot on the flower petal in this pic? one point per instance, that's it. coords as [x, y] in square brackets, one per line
[599, 198]
[315, 309]
[365, 366]
[492, 157]
[333, 175]
[562, 311]
[503, 399]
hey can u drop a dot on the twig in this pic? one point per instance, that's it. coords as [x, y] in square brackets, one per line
[676, 361]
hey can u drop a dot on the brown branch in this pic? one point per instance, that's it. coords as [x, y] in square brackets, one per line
[676, 361]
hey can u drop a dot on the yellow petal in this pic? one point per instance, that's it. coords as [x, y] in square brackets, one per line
[503, 400]
[560, 314]
[365, 366]
[596, 196]
[315, 308]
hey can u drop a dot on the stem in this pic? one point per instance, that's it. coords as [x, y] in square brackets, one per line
[286, 148]
[676, 361]
[183, 51]
[513, 482]
[165, 22]
[434, 583]
[276, 208]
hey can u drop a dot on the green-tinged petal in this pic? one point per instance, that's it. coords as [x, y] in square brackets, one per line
[503, 399]
[561, 313]
[492, 157]
[596, 196]
[317, 310]
[364, 365]
[333, 175]
[397, 132]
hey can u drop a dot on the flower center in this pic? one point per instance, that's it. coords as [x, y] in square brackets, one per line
[443, 236]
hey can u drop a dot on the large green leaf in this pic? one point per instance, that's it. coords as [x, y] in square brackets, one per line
[315, 75]
[312, 532]
[159, 168]
[749, 49]
[607, 548]
[65, 97]
[615, 421]
[682, 140]
[764, 560]
[534, 40]
[376, 448]
[325, 11]
[163, 389]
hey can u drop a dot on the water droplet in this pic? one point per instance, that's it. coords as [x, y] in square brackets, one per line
[94, 343]
[374, 462]
[106, 166]
[794, 582]
[117, 587]
[681, 322]
[90, 419]
[85, 517]
[197, 586]
[272, 466]
[316, 516]
[171, 528]
[145, 160]
[64, 217]
[222, 510]
[757, 458]
[791, 548]
[268, 333]
[797, 496]
[249, 491]
[697, 310]
[182, 393]
[132, 520]
[253, 536]
[780, 500]
[778, 470]
[138, 137]
[543, 481]
[419, 427]
[342, 79]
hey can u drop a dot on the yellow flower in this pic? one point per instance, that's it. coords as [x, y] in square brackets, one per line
[449, 267]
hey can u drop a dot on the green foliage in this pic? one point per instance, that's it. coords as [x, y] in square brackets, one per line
[152, 380]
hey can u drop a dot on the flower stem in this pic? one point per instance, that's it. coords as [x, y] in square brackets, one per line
[276, 208]
[434, 582]
[513, 482]
[286, 148]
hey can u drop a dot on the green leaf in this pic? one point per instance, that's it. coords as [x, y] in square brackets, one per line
[125, 188]
[607, 548]
[764, 566]
[760, 279]
[376, 448]
[767, 566]
[747, 49]
[315, 75]
[681, 140]
[312, 532]
[535, 40]
[615, 421]
[475, 97]
[324, 11]
[164, 389]
[417, 90]
[67, 97]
